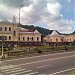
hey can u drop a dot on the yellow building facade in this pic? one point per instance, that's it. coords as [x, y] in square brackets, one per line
[69, 38]
[7, 29]
[55, 37]
[13, 33]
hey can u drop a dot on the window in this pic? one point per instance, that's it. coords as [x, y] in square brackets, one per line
[37, 38]
[5, 28]
[0, 28]
[5, 37]
[0, 37]
[23, 38]
[9, 37]
[32, 38]
[27, 38]
[56, 40]
[65, 40]
[61, 40]
[19, 38]
[9, 28]
[14, 33]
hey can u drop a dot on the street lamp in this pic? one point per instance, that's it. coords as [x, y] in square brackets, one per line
[19, 13]
[18, 26]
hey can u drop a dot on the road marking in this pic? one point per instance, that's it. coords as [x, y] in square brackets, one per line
[39, 56]
[37, 62]
[43, 66]
[7, 67]
[31, 73]
[7, 70]
[16, 71]
[46, 60]
[62, 71]
[21, 72]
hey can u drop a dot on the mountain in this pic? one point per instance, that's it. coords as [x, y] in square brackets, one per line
[43, 31]
[73, 32]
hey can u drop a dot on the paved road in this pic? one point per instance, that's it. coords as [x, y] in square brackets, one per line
[49, 64]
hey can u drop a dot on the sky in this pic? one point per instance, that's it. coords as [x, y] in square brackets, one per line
[51, 14]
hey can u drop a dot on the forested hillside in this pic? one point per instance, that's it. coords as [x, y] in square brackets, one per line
[73, 32]
[44, 31]
[41, 30]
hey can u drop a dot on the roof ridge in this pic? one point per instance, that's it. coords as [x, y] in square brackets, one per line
[5, 20]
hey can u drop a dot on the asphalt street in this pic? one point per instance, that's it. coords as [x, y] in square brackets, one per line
[49, 64]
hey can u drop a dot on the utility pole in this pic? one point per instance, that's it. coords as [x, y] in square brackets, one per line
[19, 13]
[18, 26]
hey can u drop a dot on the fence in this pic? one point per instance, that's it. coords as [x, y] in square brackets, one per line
[37, 50]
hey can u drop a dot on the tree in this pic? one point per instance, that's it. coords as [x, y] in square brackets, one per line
[43, 31]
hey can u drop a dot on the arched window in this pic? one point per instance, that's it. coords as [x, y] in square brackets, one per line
[27, 38]
[9, 37]
[9, 28]
[23, 38]
[5, 28]
[37, 38]
[14, 33]
[5, 38]
[70, 39]
[56, 40]
[61, 40]
[18, 38]
[50, 40]
[0, 28]
[65, 40]
[32, 38]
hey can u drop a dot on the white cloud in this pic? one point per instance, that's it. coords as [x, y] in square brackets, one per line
[4, 13]
[63, 26]
[54, 8]
[44, 11]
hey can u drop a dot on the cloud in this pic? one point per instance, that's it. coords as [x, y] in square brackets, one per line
[38, 12]
[35, 11]
[16, 3]
[4, 13]
[54, 8]
[63, 26]
[41, 9]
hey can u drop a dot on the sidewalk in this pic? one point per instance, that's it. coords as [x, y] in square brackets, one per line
[29, 55]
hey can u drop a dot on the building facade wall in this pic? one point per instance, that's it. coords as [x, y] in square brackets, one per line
[66, 38]
[54, 39]
[12, 33]
[30, 37]
[8, 31]
[69, 38]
